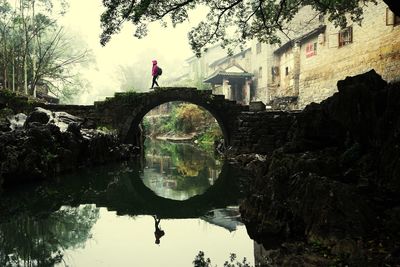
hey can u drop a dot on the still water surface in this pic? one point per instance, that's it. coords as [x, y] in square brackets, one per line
[106, 216]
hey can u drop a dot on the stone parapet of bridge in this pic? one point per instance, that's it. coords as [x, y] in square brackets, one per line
[125, 111]
[245, 130]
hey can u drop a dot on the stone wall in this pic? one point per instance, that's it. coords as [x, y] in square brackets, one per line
[261, 131]
[245, 131]
[375, 46]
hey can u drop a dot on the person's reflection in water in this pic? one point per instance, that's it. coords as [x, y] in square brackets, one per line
[158, 233]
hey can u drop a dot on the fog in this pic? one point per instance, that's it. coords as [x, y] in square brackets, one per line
[169, 46]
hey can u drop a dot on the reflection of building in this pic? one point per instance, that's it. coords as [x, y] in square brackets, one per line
[178, 171]
[162, 164]
[228, 218]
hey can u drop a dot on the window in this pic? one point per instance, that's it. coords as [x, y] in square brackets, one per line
[274, 73]
[321, 18]
[287, 71]
[391, 18]
[260, 72]
[311, 49]
[396, 21]
[258, 48]
[346, 36]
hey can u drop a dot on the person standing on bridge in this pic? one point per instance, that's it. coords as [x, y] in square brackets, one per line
[155, 73]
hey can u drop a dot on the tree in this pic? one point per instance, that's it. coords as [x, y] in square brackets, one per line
[246, 19]
[36, 52]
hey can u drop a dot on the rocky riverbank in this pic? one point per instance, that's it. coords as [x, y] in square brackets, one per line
[330, 195]
[44, 143]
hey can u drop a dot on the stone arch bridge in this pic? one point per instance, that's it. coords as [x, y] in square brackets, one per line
[243, 127]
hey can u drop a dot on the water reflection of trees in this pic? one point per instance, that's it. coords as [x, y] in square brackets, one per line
[37, 241]
[183, 166]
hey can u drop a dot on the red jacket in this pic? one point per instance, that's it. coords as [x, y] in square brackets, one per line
[154, 71]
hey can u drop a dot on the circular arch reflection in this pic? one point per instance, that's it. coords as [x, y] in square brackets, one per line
[179, 170]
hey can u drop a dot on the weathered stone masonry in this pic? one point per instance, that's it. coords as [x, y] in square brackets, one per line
[125, 111]
[261, 131]
[244, 131]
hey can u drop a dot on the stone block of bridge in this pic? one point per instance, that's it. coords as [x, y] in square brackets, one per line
[246, 129]
[261, 131]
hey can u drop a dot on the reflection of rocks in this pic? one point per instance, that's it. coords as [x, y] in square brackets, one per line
[336, 181]
[228, 218]
[45, 143]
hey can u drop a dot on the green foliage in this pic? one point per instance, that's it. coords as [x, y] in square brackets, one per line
[106, 129]
[36, 55]
[206, 139]
[192, 165]
[259, 19]
[125, 97]
[188, 117]
[5, 112]
[183, 119]
[7, 94]
[234, 263]
[201, 261]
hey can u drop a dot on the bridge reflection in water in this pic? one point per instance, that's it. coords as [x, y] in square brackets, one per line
[178, 171]
[105, 214]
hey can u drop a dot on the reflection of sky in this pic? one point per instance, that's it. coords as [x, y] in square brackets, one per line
[129, 241]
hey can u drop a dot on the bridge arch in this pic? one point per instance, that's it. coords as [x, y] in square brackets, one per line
[257, 131]
[126, 110]
[134, 119]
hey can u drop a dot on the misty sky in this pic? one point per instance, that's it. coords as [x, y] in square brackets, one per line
[169, 46]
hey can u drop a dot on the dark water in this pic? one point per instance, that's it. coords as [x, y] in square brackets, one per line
[113, 215]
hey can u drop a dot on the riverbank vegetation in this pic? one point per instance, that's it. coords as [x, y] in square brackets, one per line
[38, 57]
[180, 121]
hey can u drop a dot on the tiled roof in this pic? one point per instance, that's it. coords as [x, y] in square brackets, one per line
[217, 77]
[300, 39]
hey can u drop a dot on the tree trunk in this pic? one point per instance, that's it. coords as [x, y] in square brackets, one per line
[25, 56]
[33, 80]
[13, 69]
[4, 59]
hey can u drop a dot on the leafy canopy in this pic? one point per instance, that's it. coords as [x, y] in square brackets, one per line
[229, 22]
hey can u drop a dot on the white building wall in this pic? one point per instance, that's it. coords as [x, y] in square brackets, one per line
[375, 46]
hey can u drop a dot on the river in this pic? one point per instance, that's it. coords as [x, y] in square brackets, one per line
[160, 210]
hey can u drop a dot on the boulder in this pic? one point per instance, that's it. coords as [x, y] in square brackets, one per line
[335, 182]
[41, 148]
[17, 121]
[39, 115]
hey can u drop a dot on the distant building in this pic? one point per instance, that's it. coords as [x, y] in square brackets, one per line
[230, 77]
[197, 68]
[43, 93]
